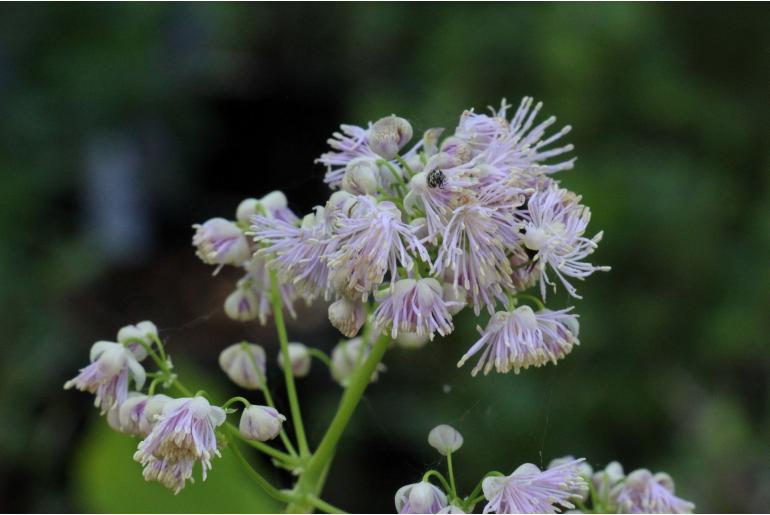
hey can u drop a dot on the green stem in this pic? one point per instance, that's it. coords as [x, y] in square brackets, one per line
[257, 477]
[320, 356]
[451, 474]
[323, 505]
[437, 475]
[310, 479]
[233, 400]
[268, 396]
[262, 447]
[296, 415]
[538, 303]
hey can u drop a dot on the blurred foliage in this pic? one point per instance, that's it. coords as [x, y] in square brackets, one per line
[669, 106]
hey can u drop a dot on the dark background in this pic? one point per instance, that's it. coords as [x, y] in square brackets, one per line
[122, 125]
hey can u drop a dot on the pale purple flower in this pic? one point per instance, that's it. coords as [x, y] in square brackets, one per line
[518, 339]
[473, 253]
[530, 490]
[524, 146]
[348, 316]
[238, 361]
[422, 497]
[276, 205]
[414, 306]
[371, 242]
[553, 228]
[183, 434]
[350, 143]
[221, 242]
[260, 423]
[297, 253]
[479, 130]
[112, 365]
[643, 492]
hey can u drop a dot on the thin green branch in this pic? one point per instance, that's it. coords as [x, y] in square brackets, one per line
[296, 415]
[323, 505]
[263, 483]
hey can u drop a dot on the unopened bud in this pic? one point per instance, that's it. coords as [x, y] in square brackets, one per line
[347, 316]
[221, 242]
[346, 358]
[242, 305]
[361, 176]
[261, 423]
[422, 497]
[246, 209]
[389, 135]
[411, 340]
[445, 439]
[244, 364]
[131, 335]
[300, 359]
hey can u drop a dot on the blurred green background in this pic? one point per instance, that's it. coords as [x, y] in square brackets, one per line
[122, 125]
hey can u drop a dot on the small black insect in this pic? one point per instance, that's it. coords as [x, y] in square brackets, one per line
[436, 179]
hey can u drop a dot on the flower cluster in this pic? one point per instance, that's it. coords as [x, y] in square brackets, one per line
[415, 234]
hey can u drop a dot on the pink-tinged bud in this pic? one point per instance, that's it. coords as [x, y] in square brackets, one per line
[389, 135]
[242, 305]
[300, 359]
[445, 439]
[221, 242]
[347, 316]
[260, 423]
[361, 176]
[244, 364]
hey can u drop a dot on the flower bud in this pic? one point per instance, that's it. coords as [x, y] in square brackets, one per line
[143, 331]
[242, 305]
[445, 439]
[153, 408]
[411, 340]
[260, 423]
[347, 316]
[246, 209]
[300, 359]
[274, 202]
[455, 297]
[346, 357]
[221, 242]
[361, 176]
[422, 497]
[238, 362]
[389, 135]
[430, 141]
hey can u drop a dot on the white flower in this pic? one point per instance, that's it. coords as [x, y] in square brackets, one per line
[445, 439]
[261, 423]
[238, 361]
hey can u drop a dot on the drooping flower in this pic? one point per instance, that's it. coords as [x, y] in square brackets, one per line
[221, 242]
[530, 490]
[133, 336]
[139, 413]
[422, 497]
[643, 492]
[260, 423]
[297, 253]
[112, 365]
[183, 434]
[553, 229]
[414, 306]
[239, 360]
[348, 316]
[347, 357]
[445, 439]
[521, 338]
[371, 242]
[299, 358]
